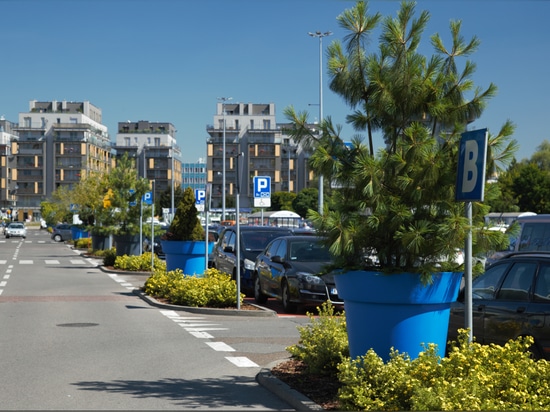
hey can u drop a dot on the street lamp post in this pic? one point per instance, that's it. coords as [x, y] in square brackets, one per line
[223, 100]
[172, 212]
[320, 35]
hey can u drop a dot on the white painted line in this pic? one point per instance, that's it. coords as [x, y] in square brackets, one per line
[170, 313]
[1, 290]
[202, 335]
[202, 329]
[52, 262]
[3, 262]
[196, 325]
[220, 346]
[6, 276]
[78, 261]
[126, 284]
[241, 362]
[3, 284]
[26, 262]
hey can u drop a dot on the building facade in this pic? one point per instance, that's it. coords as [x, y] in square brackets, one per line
[194, 175]
[154, 149]
[255, 145]
[57, 144]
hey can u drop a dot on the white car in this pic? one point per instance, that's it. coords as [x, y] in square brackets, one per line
[16, 230]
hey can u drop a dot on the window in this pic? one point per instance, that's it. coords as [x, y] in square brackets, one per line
[485, 287]
[542, 288]
[517, 284]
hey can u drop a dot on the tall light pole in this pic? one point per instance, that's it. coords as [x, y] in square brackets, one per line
[172, 213]
[320, 36]
[223, 100]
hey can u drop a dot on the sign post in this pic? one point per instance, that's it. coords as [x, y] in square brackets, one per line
[470, 185]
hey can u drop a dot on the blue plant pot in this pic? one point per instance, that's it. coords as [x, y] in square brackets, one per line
[127, 245]
[189, 256]
[78, 233]
[385, 311]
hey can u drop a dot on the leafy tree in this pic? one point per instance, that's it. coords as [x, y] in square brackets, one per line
[282, 201]
[541, 157]
[307, 199]
[125, 190]
[164, 200]
[532, 188]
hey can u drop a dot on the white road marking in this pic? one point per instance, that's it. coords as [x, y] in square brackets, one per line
[3, 284]
[78, 261]
[52, 262]
[220, 346]
[241, 362]
[3, 262]
[202, 335]
[26, 262]
[6, 276]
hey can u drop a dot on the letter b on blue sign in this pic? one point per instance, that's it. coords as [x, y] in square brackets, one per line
[470, 179]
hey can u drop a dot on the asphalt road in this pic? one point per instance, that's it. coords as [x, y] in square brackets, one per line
[76, 337]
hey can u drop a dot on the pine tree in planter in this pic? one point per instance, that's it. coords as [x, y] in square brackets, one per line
[184, 244]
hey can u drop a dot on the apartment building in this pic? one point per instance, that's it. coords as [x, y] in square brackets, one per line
[194, 175]
[153, 146]
[257, 144]
[57, 144]
[7, 163]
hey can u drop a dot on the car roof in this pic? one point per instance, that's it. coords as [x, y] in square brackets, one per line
[522, 255]
[246, 228]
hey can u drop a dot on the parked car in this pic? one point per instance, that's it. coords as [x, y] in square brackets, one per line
[253, 239]
[157, 246]
[16, 229]
[62, 232]
[288, 269]
[533, 235]
[511, 299]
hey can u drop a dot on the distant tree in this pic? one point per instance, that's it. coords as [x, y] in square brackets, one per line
[541, 157]
[306, 199]
[164, 200]
[532, 188]
[282, 201]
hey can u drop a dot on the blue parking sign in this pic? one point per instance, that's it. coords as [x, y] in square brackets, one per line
[147, 198]
[200, 198]
[470, 177]
[262, 191]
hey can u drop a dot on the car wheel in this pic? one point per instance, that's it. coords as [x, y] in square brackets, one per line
[288, 307]
[7, 236]
[259, 296]
[57, 238]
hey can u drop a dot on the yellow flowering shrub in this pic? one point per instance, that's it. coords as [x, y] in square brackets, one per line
[472, 377]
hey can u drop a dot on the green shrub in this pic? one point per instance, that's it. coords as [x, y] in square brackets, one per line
[83, 243]
[323, 342]
[140, 263]
[471, 377]
[109, 257]
[215, 289]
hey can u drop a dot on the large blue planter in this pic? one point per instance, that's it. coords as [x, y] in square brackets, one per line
[189, 256]
[385, 311]
[127, 245]
[78, 233]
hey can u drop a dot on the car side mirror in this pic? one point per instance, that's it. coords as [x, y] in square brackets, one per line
[277, 259]
[229, 249]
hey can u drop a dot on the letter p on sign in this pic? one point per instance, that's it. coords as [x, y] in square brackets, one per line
[470, 182]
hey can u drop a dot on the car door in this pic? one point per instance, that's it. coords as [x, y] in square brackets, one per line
[264, 264]
[224, 262]
[505, 316]
[539, 311]
[277, 266]
[483, 293]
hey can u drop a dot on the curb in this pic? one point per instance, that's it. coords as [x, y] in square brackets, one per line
[291, 396]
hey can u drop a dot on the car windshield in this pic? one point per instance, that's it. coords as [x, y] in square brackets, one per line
[307, 251]
[258, 240]
[16, 225]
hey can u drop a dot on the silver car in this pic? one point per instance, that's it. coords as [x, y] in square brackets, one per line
[16, 229]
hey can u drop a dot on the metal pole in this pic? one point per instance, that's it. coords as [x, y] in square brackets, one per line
[320, 36]
[172, 212]
[223, 100]
[238, 240]
[153, 228]
[468, 316]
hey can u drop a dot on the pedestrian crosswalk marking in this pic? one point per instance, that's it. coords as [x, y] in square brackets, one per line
[52, 262]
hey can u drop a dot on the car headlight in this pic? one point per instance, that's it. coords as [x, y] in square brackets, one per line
[248, 264]
[309, 278]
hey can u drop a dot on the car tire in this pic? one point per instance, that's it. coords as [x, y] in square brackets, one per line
[288, 306]
[259, 296]
[57, 238]
[7, 236]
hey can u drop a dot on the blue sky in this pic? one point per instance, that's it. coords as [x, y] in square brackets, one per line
[169, 60]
